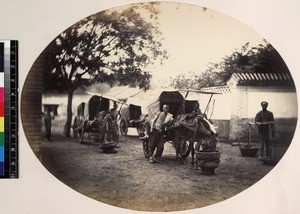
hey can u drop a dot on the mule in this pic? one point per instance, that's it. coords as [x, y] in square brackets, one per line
[193, 128]
[106, 129]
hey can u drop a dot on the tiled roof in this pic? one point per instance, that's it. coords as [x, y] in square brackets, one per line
[254, 79]
[217, 89]
[262, 79]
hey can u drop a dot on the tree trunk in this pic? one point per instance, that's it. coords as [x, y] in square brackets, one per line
[67, 127]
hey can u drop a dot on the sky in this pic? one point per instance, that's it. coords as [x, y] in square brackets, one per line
[194, 37]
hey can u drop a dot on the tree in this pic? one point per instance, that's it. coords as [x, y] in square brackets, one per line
[111, 47]
[261, 59]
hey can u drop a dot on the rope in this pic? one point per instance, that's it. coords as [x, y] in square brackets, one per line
[206, 110]
[212, 111]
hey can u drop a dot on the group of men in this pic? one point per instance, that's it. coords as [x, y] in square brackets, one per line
[264, 120]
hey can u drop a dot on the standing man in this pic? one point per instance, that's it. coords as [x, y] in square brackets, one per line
[265, 122]
[47, 121]
[161, 120]
[115, 113]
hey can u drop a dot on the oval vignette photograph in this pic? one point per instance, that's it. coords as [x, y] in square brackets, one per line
[159, 107]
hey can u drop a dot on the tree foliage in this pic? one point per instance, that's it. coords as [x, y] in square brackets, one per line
[112, 46]
[261, 59]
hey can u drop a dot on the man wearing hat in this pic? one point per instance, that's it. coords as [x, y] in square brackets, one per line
[265, 122]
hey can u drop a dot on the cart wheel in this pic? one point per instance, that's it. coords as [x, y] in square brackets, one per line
[75, 133]
[81, 136]
[123, 128]
[79, 132]
[74, 127]
[140, 129]
[147, 128]
[146, 147]
[185, 150]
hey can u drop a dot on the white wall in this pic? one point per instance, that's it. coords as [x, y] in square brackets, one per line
[62, 101]
[244, 102]
[282, 104]
[220, 105]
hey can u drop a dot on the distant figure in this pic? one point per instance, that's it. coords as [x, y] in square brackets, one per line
[114, 114]
[47, 121]
[265, 122]
[161, 120]
[114, 111]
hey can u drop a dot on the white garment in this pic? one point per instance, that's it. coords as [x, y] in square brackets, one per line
[160, 119]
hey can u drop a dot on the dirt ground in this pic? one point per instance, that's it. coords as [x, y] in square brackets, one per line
[126, 179]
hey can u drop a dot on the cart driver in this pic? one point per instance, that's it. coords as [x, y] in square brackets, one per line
[161, 120]
[114, 111]
[265, 122]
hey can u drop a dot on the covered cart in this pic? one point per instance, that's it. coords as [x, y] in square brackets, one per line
[98, 123]
[177, 105]
[131, 117]
[91, 110]
[189, 126]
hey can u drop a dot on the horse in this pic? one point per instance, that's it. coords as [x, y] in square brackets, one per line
[106, 127]
[193, 128]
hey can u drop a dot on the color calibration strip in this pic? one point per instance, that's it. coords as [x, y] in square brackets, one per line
[1, 109]
[8, 109]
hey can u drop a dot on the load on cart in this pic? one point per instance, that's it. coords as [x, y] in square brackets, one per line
[95, 121]
[187, 117]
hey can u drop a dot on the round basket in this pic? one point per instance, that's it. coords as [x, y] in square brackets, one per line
[248, 150]
[208, 161]
[205, 155]
[108, 148]
[108, 145]
[270, 162]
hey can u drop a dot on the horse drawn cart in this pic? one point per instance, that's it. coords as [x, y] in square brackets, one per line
[131, 117]
[177, 105]
[189, 126]
[94, 119]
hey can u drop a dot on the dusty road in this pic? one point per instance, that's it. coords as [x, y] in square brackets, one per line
[126, 179]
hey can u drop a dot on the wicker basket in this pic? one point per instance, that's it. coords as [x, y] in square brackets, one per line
[270, 162]
[108, 148]
[208, 161]
[205, 155]
[248, 150]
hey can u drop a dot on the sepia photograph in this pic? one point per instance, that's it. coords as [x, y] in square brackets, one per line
[159, 107]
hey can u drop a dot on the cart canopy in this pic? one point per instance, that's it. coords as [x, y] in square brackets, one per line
[95, 105]
[80, 109]
[191, 105]
[172, 98]
[131, 112]
[135, 112]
